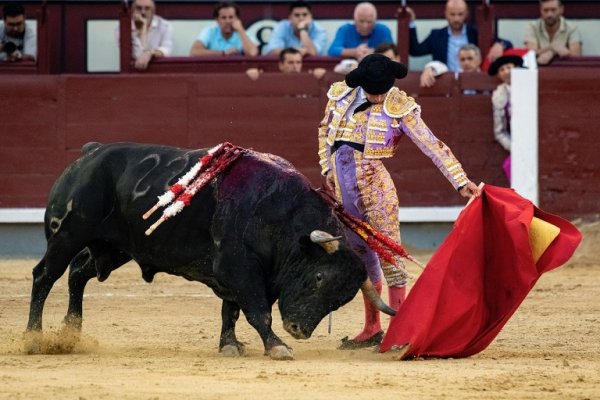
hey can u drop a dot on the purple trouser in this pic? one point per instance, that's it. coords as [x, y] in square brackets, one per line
[367, 191]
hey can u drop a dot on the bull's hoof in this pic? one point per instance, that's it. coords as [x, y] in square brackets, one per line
[232, 350]
[73, 322]
[32, 342]
[280, 353]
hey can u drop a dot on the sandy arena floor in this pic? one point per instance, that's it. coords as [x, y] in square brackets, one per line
[159, 341]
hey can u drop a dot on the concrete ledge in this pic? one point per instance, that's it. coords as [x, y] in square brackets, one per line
[429, 214]
[21, 215]
[22, 240]
[26, 240]
[22, 229]
[407, 214]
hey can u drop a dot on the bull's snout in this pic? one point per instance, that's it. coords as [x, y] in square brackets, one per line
[295, 330]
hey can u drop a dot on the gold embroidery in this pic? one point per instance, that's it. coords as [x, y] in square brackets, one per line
[371, 152]
[380, 124]
[338, 90]
[397, 104]
[375, 137]
[376, 109]
[349, 134]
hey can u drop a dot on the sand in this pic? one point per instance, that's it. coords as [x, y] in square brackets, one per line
[159, 341]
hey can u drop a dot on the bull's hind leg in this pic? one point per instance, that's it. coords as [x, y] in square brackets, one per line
[80, 272]
[45, 274]
[38, 298]
[228, 344]
[96, 261]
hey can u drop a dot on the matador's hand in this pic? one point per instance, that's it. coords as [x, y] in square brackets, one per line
[470, 190]
[330, 182]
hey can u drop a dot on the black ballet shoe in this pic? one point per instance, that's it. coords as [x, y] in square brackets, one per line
[350, 344]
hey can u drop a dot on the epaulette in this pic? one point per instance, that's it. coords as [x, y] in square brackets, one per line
[338, 90]
[397, 103]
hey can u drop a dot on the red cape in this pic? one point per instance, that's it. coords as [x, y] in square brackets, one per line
[477, 278]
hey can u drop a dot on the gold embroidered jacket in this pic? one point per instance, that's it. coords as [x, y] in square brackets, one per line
[380, 128]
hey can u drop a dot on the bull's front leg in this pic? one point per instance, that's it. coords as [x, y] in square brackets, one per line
[228, 344]
[246, 283]
[274, 347]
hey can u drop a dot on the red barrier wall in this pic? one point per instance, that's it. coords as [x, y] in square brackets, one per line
[569, 172]
[46, 120]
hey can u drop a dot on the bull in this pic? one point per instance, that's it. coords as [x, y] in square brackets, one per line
[255, 235]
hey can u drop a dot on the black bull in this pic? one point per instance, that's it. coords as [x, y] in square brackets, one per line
[247, 235]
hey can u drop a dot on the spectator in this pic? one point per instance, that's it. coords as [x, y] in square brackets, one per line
[365, 118]
[501, 103]
[17, 41]
[151, 35]
[360, 38]
[443, 44]
[298, 31]
[290, 62]
[225, 38]
[469, 59]
[552, 35]
[389, 50]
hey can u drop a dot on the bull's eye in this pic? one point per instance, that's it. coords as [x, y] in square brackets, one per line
[319, 278]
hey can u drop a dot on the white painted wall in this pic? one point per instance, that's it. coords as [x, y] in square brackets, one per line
[408, 214]
[102, 48]
[524, 133]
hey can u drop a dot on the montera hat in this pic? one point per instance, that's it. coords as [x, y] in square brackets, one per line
[376, 74]
[500, 61]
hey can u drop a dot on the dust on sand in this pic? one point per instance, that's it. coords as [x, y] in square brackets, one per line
[159, 341]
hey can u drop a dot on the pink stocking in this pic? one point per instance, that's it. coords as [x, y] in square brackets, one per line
[372, 318]
[396, 296]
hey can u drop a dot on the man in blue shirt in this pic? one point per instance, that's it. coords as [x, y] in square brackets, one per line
[298, 31]
[227, 37]
[443, 44]
[359, 39]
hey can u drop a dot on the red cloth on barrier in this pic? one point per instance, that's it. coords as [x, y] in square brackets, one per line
[477, 278]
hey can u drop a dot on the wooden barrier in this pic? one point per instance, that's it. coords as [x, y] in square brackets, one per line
[47, 118]
[230, 64]
[569, 164]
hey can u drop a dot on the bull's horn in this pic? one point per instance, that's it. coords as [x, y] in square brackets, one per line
[369, 291]
[325, 240]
